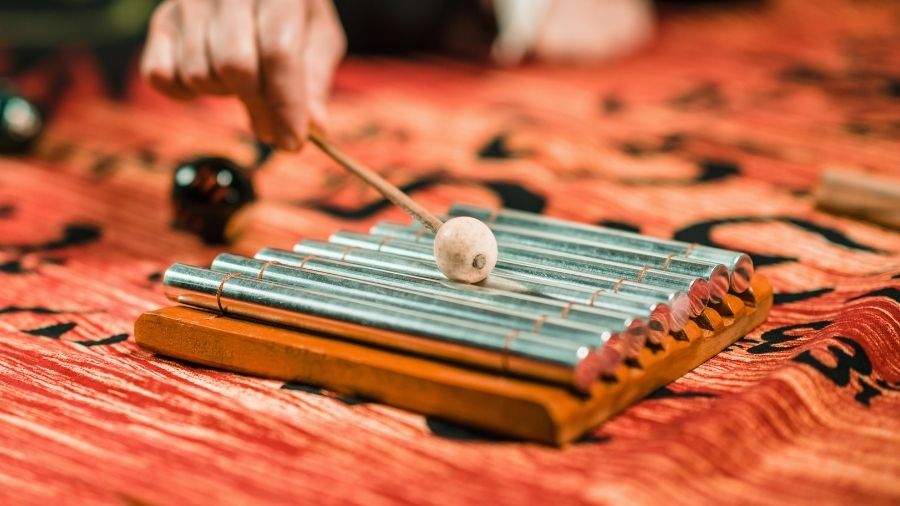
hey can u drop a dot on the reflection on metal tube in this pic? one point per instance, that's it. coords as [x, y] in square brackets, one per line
[366, 290]
[545, 287]
[739, 265]
[494, 291]
[679, 307]
[515, 352]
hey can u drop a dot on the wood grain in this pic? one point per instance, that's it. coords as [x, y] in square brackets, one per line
[505, 405]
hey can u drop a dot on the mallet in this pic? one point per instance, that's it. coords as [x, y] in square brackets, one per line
[464, 248]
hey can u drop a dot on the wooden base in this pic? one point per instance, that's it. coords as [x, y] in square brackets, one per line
[504, 405]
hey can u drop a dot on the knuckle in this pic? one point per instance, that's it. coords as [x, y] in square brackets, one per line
[278, 53]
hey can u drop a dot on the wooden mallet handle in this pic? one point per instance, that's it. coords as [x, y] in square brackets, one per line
[389, 191]
[865, 196]
[465, 249]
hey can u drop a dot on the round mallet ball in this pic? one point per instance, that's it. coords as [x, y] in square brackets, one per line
[465, 249]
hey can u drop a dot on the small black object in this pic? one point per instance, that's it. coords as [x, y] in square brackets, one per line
[207, 193]
[20, 124]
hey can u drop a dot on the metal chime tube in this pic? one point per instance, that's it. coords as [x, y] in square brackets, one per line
[486, 346]
[678, 314]
[698, 288]
[415, 301]
[567, 303]
[420, 245]
[615, 321]
[716, 275]
[549, 282]
[533, 282]
[510, 295]
[739, 265]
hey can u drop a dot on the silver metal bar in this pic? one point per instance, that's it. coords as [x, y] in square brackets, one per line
[512, 351]
[716, 275]
[395, 238]
[496, 292]
[615, 322]
[422, 252]
[678, 303]
[411, 300]
[547, 281]
[739, 265]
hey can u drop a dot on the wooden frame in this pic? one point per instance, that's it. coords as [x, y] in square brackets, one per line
[504, 405]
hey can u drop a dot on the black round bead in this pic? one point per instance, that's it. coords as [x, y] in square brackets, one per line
[206, 193]
[20, 124]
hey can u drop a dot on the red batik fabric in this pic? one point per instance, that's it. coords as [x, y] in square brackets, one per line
[715, 134]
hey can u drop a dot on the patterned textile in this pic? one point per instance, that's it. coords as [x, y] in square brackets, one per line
[716, 134]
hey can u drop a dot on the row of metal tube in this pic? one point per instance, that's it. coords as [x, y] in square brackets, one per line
[558, 309]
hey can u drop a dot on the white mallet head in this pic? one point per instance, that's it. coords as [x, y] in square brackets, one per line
[465, 249]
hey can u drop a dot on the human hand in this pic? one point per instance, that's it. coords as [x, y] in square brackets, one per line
[276, 56]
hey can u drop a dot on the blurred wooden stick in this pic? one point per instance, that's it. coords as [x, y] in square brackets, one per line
[371, 177]
[861, 195]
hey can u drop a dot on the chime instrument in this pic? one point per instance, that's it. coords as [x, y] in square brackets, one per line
[575, 322]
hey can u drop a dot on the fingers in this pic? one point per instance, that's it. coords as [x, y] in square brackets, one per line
[281, 32]
[277, 56]
[158, 63]
[235, 61]
[325, 47]
[194, 70]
